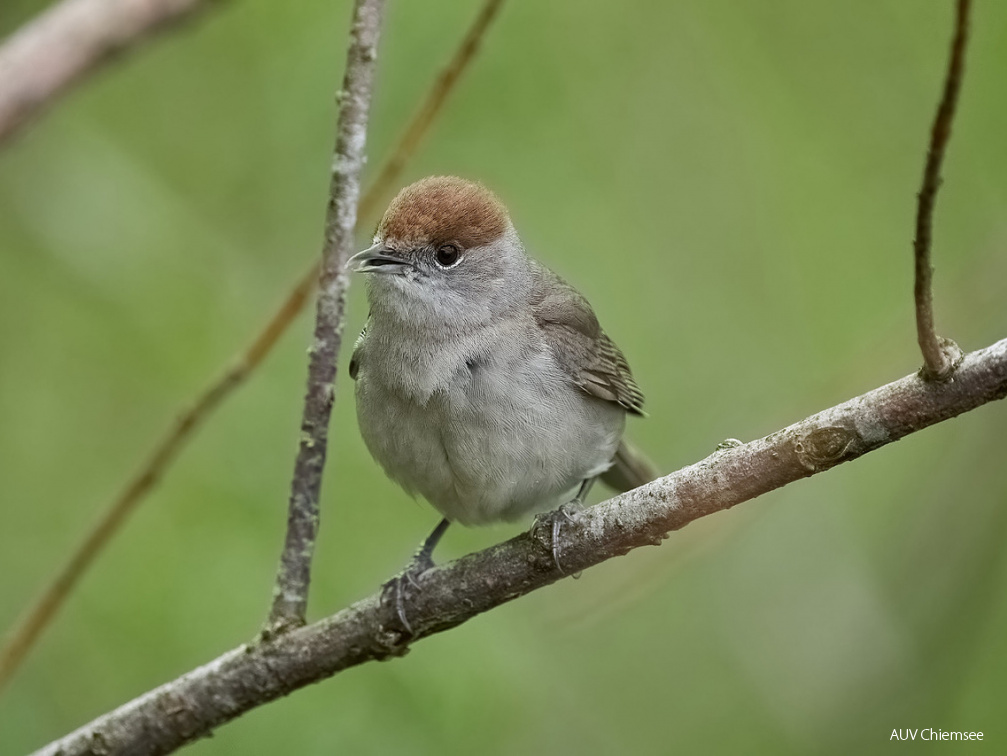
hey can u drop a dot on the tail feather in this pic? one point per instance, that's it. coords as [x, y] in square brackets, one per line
[630, 469]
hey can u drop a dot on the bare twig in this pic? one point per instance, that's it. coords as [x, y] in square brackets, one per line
[290, 598]
[24, 635]
[940, 355]
[69, 41]
[194, 704]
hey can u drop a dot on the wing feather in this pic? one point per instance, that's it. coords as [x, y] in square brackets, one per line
[591, 359]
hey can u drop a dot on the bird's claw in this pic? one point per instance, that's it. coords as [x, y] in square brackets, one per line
[419, 566]
[408, 579]
[554, 520]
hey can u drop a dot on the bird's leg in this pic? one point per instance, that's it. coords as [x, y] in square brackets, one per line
[568, 512]
[421, 562]
[576, 504]
[423, 559]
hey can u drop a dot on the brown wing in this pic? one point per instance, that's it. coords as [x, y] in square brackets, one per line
[582, 348]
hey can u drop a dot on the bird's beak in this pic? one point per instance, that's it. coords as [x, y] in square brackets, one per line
[374, 260]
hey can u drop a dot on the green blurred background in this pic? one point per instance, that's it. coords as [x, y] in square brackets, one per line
[731, 185]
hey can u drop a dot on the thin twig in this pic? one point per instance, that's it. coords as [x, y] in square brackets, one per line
[68, 42]
[940, 355]
[249, 676]
[24, 635]
[290, 597]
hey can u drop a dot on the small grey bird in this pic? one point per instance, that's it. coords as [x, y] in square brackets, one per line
[483, 380]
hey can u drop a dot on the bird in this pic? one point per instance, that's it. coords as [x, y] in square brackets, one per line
[483, 381]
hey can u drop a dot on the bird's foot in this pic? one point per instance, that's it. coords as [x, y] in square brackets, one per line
[409, 578]
[406, 581]
[553, 521]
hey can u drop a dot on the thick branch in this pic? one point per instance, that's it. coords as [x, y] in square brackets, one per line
[940, 355]
[24, 635]
[290, 598]
[67, 42]
[249, 676]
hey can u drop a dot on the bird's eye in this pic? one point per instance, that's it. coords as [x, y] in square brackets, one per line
[447, 255]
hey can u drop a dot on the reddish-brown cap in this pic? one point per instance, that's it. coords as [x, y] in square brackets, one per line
[441, 209]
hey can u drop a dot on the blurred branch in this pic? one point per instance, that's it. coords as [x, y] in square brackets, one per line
[434, 101]
[26, 633]
[249, 676]
[71, 40]
[940, 355]
[290, 597]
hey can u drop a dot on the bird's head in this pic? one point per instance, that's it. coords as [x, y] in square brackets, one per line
[445, 252]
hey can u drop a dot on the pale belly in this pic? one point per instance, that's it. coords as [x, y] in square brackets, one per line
[495, 443]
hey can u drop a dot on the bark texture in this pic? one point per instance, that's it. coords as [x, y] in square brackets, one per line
[940, 355]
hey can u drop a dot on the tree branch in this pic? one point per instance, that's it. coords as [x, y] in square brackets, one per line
[290, 598]
[69, 41]
[940, 355]
[194, 704]
[23, 636]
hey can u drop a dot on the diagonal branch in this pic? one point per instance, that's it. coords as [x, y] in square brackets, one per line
[290, 597]
[940, 355]
[24, 635]
[434, 100]
[69, 41]
[249, 676]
